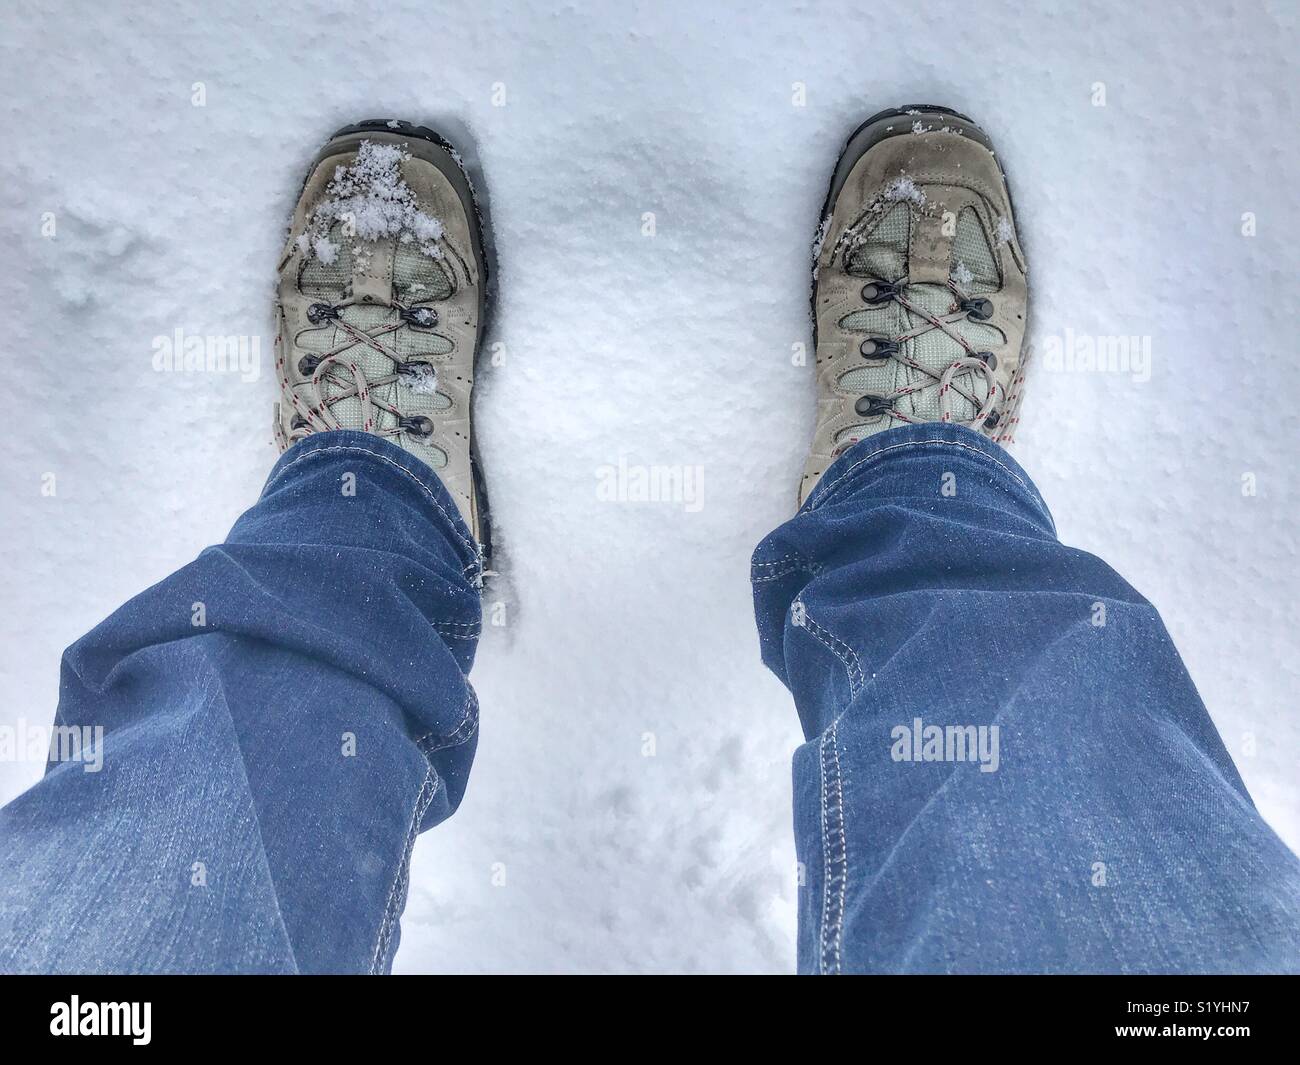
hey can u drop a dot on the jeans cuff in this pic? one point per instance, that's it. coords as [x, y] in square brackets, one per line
[866, 455]
[396, 459]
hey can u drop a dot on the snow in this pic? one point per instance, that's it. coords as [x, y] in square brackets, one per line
[904, 188]
[655, 173]
[421, 377]
[371, 199]
[323, 248]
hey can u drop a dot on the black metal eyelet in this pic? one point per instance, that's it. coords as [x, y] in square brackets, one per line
[419, 425]
[307, 364]
[988, 359]
[318, 312]
[977, 309]
[297, 422]
[423, 317]
[878, 348]
[879, 291]
[992, 420]
[870, 406]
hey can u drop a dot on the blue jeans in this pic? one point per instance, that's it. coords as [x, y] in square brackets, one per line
[1007, 766]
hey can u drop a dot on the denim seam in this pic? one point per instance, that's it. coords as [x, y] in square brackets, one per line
[780, 567]
[778, 574]
[835, 859]
[473, 565]
[830, 488]
[422, 801]
[467, 725]
[848, 657]
[473, 634]
[776, 562]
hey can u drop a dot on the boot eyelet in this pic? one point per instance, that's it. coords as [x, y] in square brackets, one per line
[992, 420]
[875, 292]
[977, 309]
[418, 426]
[423, 317]
[318, 312]
[307, 365]
[297, 422]
[871, 406]
[878, 348]
[988, 359]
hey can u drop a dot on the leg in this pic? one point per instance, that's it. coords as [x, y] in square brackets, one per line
[281, 717]
[285, 714]
[1007, 766]
[1102, 827]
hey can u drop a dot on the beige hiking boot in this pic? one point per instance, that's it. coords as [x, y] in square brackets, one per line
[381, 301]
[919, 295]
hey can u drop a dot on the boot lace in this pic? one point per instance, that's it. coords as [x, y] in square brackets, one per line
[335, 377]
[954, 380]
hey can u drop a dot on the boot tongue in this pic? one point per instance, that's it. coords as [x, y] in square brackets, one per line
[364, 318]
[409, 275]
[884, 252]
[368, 249]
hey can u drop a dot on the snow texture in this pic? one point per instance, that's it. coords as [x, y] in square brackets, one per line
[904, 188]
[371, 199]
[646, 345]
[421, 377]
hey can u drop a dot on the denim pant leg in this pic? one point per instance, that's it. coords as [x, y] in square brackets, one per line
[919, 599]
[280, 718]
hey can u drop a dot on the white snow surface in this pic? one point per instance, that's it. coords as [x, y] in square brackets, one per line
[574, 850]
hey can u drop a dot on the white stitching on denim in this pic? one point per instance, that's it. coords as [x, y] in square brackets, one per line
[473, 630]
[454, 737]
[835, 857]
[790, 564]
[775, 562]
[778, 575]
[468, 724]
[389, 922]
[409, 472]
[826, 492]
[826, 860]
[857, 678]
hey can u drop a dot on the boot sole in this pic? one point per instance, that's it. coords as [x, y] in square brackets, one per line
[485, 259]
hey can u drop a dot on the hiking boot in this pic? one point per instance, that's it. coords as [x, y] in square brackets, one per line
[919, 295]
[381, 301]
